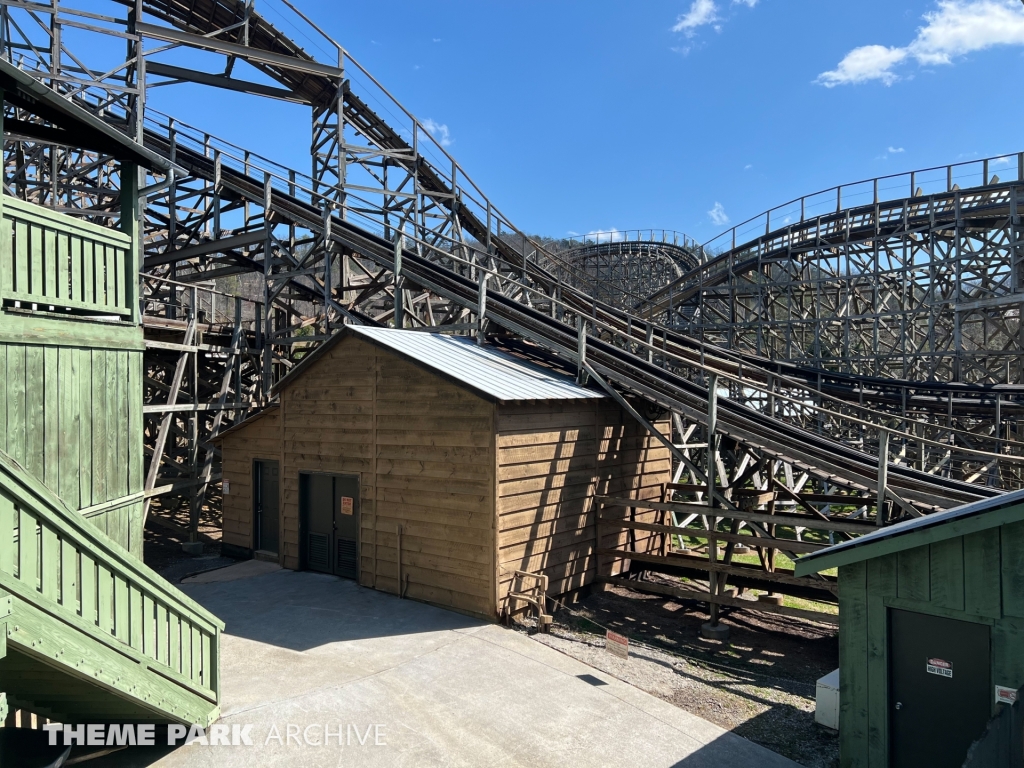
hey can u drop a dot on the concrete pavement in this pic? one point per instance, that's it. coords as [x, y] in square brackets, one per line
[400, 683]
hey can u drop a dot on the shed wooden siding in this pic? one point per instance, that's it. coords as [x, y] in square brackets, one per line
[450, 468]
[553, 457]
[72, 416]
[261, 440]
[978, 577]
[422, 448]
[435, 478]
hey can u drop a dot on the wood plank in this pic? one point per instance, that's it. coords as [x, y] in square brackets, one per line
[884, 580]
[982, 580]
[914, 571]
[698, 563]
[69, 575]
[701, 533]
[805, 521]
[105, 593]
[70, 427]
[8, 528]
[87, 574]
[947, 573]
[99, 430]
[22, 258]
[50, 423]
[121, 608]
[853, 663]
[74, 247]
[86, 447]
[36, 238]
[1012, 565]
[3, 386]
[35, 448]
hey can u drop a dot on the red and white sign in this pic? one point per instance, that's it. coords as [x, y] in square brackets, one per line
[939, 667]
[347, 505]
[616, 644]
[1005, 695]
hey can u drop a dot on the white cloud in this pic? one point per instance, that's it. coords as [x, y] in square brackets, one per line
[1004, 160]
[896, 150]
[718, 216]
[869, 62]
[610, 235]
[955, 28]
[747, 167]
[701, 12]
[437, 39]
[439, 131]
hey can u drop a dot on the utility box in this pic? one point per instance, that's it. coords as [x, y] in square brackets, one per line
[826, 701]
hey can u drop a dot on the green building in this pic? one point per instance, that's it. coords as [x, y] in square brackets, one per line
[931, 637]
[87, 632]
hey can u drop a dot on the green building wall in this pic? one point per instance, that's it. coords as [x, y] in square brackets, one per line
[978, 577]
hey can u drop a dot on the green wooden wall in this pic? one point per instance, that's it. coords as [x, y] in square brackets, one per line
[72, 416]
[978, 577]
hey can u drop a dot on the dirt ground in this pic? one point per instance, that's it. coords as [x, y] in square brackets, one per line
[760, 684]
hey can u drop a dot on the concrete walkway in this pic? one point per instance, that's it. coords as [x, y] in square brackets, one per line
[420, 686]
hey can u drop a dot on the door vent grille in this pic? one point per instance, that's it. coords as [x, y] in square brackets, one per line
[319, 552]
[347, 558]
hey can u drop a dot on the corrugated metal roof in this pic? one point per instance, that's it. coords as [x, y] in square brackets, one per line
[491, 372]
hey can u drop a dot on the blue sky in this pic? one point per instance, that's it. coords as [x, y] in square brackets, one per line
[582, 115]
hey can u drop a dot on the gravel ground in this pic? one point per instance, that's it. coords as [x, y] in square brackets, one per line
[759, 685]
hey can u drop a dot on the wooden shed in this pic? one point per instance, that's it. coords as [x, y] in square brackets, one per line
[931, 632]
[431, 466]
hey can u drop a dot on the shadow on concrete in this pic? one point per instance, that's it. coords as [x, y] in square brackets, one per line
[301, 610]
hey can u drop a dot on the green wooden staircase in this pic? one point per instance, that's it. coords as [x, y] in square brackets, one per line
[87, 632]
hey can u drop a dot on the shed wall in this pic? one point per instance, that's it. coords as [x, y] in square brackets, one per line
[978, 577]
[259, 440]
[553, 458]
[422, 448]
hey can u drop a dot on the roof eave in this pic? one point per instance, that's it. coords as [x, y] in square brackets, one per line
[916, 537]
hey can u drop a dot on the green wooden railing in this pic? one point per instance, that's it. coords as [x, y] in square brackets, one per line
[83, 601]
[54, 260]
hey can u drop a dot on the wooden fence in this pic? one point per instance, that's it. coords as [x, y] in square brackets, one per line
[50, 259]
[718, 564]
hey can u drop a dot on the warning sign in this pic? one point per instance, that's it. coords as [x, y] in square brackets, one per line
[227, 487]
[939, 667]
[616, 644]
[347, 505]
[1005, 695]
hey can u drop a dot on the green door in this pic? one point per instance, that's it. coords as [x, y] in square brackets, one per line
[329, 513]
[940, 689]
